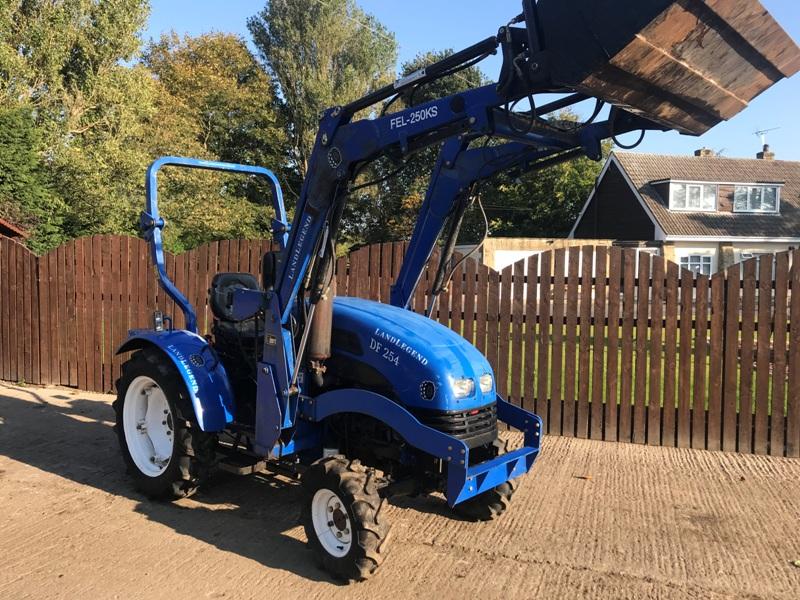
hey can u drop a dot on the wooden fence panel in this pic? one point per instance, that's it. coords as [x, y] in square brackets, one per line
[669, 409]
[518, 375]
[599, 342]
[612, 368]
[654, 413]
[642, 309]
[778, 406]
[628, 311]
[532, 289]
[700, 363]
[548, 398]
[763, 358]
[565, 396]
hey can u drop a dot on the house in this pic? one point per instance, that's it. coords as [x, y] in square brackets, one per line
[706, 212]
[10, 230]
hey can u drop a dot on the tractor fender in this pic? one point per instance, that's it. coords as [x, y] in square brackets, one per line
[199, 367]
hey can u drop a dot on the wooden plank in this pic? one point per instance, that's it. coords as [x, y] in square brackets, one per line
[585, 330]
[668, 411]
[793, 391]
[36, 370]
[492, 327]
[117, 249]
[610, 430]
[685, 367]
[482, 303]
[626, 366]
[657, 298]
[88, 313]
[80, 313]
[470, 290]
[99, 311]
[716, 348]
[746, 359]
[517, 327]
[700, 363]
[4, 308]
[61, 308]
[387, 256]
[549, 400]
[731, 363]
[599, 341]
[763, 357]
[375, 272]
[27, 317]
[341, 276]
[15, 338]
[778, 416]
[531, 292]
[180, 277]
[456, 298]
[202, 285]
[640, 390]
[43, 340]
[359, 266]
[504, 330]
[562, 395]
[72, 315]
[108, 307]
[569, 426]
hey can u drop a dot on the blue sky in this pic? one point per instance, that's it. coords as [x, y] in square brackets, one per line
[422, 25]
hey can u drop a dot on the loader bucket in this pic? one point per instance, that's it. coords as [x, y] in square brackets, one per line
[687, 64]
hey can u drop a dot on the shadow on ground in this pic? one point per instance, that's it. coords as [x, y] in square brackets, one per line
[248, 516]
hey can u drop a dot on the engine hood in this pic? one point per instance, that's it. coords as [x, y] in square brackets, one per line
[411, 352]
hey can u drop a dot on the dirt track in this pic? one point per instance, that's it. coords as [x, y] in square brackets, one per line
[647, 523]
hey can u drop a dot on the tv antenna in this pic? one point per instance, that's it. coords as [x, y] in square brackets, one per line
[762, 133]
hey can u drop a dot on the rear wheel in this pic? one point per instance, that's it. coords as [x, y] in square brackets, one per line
[166, 453]
[342, 517]
[488, 505]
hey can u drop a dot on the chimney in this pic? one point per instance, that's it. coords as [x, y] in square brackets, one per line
[766, 154]
[704, 152]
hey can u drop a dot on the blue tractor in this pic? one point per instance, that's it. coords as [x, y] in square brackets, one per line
[362, 400]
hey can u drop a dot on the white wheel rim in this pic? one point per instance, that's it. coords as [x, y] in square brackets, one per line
[148, 425]
[331, 523]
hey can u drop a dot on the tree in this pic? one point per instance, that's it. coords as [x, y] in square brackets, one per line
[25, 194]
[388, 211]
[543, 203]
[229, 111]
[66, 61]
[320, 54]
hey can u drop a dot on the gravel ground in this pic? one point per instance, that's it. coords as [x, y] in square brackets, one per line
[592, 520]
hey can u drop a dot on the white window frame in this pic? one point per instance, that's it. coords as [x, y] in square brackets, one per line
[704, 260]
[688, 184]
[761, 186]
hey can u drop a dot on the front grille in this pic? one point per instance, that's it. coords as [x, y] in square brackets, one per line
[475, 426]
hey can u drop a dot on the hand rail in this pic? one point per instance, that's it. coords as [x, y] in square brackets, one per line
[151, 222]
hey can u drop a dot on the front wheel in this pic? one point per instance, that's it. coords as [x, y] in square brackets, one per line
[489, 505]
[166, 453]
[342, 515]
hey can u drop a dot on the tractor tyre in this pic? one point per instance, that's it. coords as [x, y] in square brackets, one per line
[342, 514]
[165, 452]
[488, 505]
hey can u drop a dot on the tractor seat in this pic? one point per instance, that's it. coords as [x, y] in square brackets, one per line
[220, 296]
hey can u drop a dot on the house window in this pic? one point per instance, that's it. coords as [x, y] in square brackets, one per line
[693, 196]
[756, 198]
[698, 263]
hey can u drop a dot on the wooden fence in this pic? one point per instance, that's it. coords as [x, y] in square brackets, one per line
[603, 343]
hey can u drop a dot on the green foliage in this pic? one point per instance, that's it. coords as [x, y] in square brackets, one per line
[387, 211]
[84, 112]
[321, 54]
[25, 194]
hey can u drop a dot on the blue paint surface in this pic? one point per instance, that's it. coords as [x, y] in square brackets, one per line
[409, 349]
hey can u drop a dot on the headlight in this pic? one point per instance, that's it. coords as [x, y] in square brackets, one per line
[463, 387]
[486, 383]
